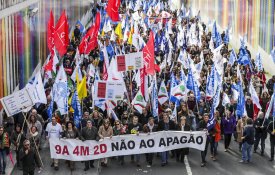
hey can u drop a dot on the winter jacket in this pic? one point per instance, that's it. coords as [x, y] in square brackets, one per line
[228, 125]
[249, 134]
[29, 160]
[89, 134]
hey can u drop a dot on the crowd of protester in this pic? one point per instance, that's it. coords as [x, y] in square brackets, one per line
[24, 135]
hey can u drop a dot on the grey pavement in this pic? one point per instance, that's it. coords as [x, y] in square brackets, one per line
[227, 164]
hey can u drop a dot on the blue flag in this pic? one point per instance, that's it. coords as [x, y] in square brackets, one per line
[241, 101]
[192, 85]
[77, 109]
[232, 57]
[272, 54]
[216, 101]
[50, 110]
[173, 83]
[154, 99]
[226, 37]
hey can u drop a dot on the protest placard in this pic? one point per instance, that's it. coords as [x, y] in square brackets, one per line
[131, 61]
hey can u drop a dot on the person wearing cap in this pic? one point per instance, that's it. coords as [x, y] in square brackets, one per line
[54, 130]
[89, 133]
[29, 157]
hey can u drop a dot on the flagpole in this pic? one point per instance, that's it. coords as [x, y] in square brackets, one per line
[131, 85]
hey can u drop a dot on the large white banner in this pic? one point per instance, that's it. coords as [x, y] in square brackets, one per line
[16, 102]
[77, 150]
[109, 90]
[131, 61]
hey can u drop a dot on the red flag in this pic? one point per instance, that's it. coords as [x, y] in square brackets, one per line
[89, 41]
[49, 65]
[149, 55]
[105, 72]
[50, 34]
[61, 35]
[112, 9]
[142, 79]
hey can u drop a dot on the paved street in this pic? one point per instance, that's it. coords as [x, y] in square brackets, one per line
[227, 164]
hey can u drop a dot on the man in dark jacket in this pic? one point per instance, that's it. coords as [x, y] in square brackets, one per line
[29, 158]
[249, 108]
[271, 131]
[89, 133]
[248, 141]
[149, 128]
[203, 127]
[17, 138]
[135, 128]
[260, 133]
[164, 125]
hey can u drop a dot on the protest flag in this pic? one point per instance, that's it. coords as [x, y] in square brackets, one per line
[192, 85]
[118, 31]
[139, 102]
[225, 99]
[112, 9]
[149, 55]
[61, 34]
[82, 89]
[36, 89]
[154, 100]
[76, 105]
[241, 101]
[163, 94]
[50, 33]
[216, 101]
[254, 95]
[60, 91]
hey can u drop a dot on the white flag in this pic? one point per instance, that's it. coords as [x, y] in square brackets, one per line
[36, 89]
[163, 94]
[254, 95]
[225, 99]
[139, 102]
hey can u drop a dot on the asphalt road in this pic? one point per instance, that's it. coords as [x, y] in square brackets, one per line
[227, 164]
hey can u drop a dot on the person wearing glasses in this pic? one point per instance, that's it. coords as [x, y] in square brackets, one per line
[29, 157]
[89, 133]
[54, 130]
[4, 149]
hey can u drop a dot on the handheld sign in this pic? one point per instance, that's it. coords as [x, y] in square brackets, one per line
[14, 103]
[128, 62]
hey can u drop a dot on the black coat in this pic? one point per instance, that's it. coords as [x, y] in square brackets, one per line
[161, 125]
[29, 160]
[184, 151]
[89, 134]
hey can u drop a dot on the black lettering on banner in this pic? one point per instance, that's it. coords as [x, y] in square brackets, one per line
[115, 146]
[169, 140]
[123, 146]
[183, 139]
[191, 139]
[199, 140]
[142, 144]
[131, 144]
[162, 142]
[176, 141]
[150, 143]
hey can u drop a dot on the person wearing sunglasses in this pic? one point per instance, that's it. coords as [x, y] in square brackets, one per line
[29, 157]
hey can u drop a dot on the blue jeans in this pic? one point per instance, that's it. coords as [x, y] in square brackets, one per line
[3, 158]
[246, 151]
[213, 146]
[164, 157]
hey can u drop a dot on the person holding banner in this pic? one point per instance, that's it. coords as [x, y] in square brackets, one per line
[182, 126]
[105, 130]
[149, 128]
[203, 127]
[71, 132]
[54, 130]
[119, 129]
[164, 125]
[89, 133]
[135, 128]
